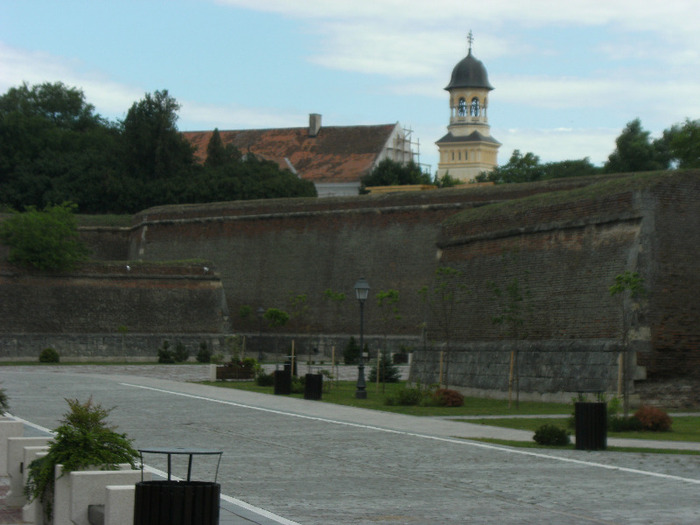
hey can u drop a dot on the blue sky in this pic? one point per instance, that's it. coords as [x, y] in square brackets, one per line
[568, 76]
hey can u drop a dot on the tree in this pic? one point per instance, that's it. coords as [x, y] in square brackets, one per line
[635, 151]
[520, 168]
[632, 284]
[388, 304]
[443, 298]
[391, 173]
[569, 168]
[446, 181]
[154, 148]
[683, 144]
[45, 240]
[54, 148]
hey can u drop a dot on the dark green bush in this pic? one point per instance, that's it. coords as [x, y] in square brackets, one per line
[181, 353]
[351, 354]
[552, 435]
[624, 424]
[264, 379]
[406, 397]
[4, 402]
[401, 357]
[49, 355]
[389, 373]
[448, 398]
[204, 354]
[165, 355]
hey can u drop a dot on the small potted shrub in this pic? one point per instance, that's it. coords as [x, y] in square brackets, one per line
[83, 440]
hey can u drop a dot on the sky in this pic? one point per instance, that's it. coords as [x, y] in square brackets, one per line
[568, 75]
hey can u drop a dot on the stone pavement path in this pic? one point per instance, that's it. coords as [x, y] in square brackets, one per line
[315, 463]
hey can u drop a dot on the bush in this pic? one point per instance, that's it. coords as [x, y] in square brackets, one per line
[552, 435]
[351, 354]
[406, 397]
[4, 402]
[654, 419]
[83, 440]
[181, 354]
[448, 398]
[264, 379]
[401, 357]
[389, 373]
[165, 355]
[624, 424]
[49, 355]
[45, 240]
[204, 354]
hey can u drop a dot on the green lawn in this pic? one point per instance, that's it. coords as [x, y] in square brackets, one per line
[684, 428]
[344, 394]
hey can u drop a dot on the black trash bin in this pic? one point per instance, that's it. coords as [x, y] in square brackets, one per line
[283, 381]
[591, 426]
[313, 386]
[177, 503]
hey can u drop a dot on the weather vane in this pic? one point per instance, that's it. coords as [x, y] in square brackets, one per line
[470, 39]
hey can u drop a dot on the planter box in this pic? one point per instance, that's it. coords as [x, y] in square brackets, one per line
[234, 372]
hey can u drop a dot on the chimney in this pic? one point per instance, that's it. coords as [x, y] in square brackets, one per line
[314, 124]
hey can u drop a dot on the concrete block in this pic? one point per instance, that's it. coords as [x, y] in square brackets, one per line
[8, 429]
[119, 503]
[15, 467]
[32, 512]
[77, 490]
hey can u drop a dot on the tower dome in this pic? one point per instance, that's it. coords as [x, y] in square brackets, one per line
[469, 73]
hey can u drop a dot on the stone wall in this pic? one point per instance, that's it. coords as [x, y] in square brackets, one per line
[563, 251]
[79, 310]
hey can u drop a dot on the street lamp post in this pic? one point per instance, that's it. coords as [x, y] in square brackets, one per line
[261, 313]
[361, 292]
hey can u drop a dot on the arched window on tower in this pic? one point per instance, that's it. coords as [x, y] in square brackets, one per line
[462, 108]
[475, 108]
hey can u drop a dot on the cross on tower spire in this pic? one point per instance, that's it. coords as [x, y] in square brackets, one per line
[470, 39]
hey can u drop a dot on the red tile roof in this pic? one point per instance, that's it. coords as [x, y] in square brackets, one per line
[336, 154]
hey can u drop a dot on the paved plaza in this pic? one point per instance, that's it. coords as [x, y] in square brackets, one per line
[290, 461]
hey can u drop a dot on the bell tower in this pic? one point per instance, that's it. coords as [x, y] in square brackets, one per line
[468, 148]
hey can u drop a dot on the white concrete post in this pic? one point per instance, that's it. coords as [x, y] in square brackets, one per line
[8, 429]
[15, 464]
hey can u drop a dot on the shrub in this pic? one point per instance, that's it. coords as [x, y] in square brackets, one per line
[49, 355]
[389, 373]
[4, 403]
[552, 435]
[181, 354]
[351, 354]
[204, 354]
[624, 424]
[654, 419]
[401, 357]
[264, 379]
[84, 439]
[448, 398]
[165, 355]
[45, 240]
[406, 397]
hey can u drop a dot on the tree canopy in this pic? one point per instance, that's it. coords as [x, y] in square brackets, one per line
[391, 173]
[635, 151]
[54, 148]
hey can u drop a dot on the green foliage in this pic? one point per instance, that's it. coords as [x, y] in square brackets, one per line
[45, 240]
[275, 317]
[446, 181]
[49, 355]
[54, 148]
[388, 372]
[245, 311]
[527, 168]
[180, 354]
[204, 353]
[391, 173]
[552, 435]
[409, 396]
[635, 151]
[628, 281]
[352, 352]
[165, 355]
[683, 144]
[653, 419]
[4, 402]
[446, 397]
[337, 297]
[401, 357]
[264, 379]
[624, 424]
[82, 440]
[388, 303]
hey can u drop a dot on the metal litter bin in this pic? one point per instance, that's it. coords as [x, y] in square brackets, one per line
[313, 386]
[169, 502]
[591, 425]
[283, 381]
